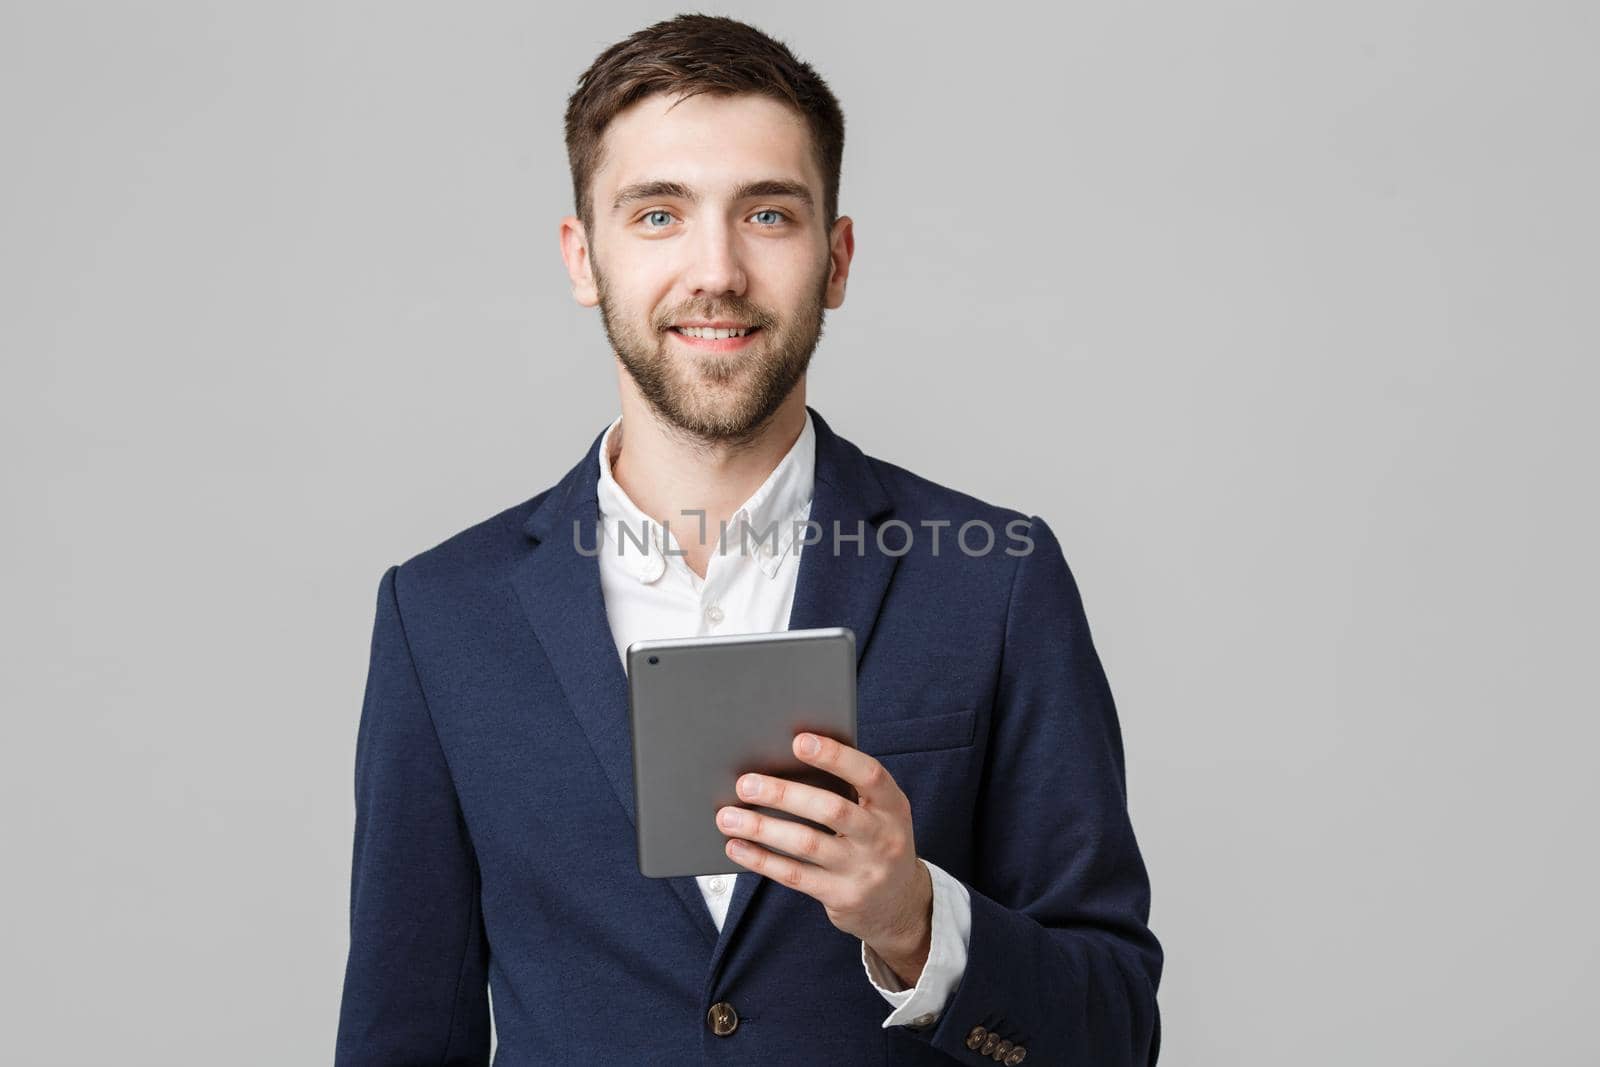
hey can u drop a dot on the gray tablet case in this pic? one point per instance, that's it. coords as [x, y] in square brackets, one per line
[705, 710]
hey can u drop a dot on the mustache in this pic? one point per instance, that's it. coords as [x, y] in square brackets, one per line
[750, 316]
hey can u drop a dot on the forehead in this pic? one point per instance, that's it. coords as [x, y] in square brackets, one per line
[708, 142]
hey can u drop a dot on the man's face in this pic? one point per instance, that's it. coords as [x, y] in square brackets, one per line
[710, 212]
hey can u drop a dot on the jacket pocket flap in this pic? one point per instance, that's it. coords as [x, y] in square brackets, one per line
[921, 733]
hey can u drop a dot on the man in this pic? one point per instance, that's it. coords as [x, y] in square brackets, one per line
[984, 901]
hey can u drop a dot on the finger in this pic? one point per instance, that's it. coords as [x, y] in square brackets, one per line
[802, 842]
[871, 779]
[838, 813]
[815, 882]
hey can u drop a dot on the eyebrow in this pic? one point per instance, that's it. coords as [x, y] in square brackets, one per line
[651, 190]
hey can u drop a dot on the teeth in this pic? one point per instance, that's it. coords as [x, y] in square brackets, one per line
[706, 334]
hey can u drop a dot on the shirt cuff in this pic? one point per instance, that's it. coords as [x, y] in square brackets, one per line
[920, 1005]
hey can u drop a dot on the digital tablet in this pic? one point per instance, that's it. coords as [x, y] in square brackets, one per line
[705, 710]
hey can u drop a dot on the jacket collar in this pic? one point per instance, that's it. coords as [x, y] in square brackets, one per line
[838, 463]
[769, 512]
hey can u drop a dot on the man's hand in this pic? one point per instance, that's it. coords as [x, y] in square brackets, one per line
[867, 878]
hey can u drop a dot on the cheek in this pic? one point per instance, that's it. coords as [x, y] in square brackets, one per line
[792, 280]
[639, 294]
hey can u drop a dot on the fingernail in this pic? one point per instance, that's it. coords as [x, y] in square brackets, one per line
[810, 745]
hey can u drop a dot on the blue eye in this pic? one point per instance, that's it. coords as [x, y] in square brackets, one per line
[777, 216]
[652, 215]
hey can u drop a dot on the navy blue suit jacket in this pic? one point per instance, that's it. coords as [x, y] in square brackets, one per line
[494, 834]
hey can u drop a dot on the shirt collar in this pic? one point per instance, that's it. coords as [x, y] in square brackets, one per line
[771, 511]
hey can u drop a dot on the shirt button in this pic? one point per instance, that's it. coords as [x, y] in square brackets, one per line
[923, 1020]
[718, 886]
[713, 614]
[650, 567]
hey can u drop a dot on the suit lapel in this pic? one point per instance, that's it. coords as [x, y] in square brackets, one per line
[832, 589]
[559, 589]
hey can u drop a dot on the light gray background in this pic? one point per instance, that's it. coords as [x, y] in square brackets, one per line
[1282, 314]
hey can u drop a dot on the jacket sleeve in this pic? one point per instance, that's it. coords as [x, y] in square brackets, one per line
[415, 984]
[1061, 964]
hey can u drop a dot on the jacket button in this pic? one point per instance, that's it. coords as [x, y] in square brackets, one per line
[1015, 1056]
[975, 1037]
[989, 1043]
[1001, 1050]
[722, 1019]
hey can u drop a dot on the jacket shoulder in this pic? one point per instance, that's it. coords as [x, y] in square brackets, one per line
[485, 550]
[917, 496]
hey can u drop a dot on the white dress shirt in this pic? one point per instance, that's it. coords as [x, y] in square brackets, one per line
[749, 588]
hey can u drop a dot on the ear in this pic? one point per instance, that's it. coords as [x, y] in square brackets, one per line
[841, 250]
[575, 253]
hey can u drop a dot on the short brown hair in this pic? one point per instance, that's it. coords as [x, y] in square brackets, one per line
[693, 54]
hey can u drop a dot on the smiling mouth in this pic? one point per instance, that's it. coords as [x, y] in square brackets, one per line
[703, 333]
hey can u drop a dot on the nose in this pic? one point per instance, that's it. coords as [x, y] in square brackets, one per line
[715, 268]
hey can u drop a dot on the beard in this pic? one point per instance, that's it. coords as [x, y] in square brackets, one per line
[717, 397]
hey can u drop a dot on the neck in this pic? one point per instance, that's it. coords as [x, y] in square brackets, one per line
[672, 475]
